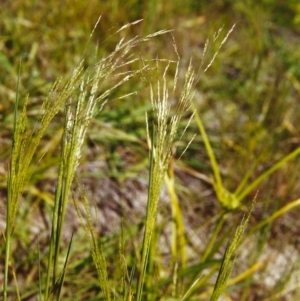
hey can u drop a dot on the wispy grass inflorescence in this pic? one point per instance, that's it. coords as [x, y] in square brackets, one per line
[160, 143]
[87, 103]
[24, 147]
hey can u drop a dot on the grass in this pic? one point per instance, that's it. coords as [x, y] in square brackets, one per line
[102, 204]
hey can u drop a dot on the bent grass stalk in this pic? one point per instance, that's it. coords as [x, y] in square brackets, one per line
[233, 200]
[178, 233]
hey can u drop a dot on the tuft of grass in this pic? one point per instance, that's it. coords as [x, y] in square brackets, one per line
[248, 126]
[81, 100]
[233, 200]
[160, 142]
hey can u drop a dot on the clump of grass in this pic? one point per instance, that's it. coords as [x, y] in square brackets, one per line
[160, 142]
[81, 98]
[233, 200]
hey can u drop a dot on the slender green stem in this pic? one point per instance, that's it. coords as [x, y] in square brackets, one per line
[53, 229]
[275, 215]
[213, 238]
[146, 247]
[9, 222]
[178, 241]
[267, 173]
[210, 152]
[7, 255]
[247, 176]
[59, 228]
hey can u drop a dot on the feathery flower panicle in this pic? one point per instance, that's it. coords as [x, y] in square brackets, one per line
[160, 144]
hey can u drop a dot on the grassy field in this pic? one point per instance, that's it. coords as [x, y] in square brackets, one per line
[149, 150]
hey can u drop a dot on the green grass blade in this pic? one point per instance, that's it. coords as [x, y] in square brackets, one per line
[62, 279]
[213, 238]
[275, 215]
[267, 173]
[147, 237]
[245, 179]
[229, 259]
[178, 235]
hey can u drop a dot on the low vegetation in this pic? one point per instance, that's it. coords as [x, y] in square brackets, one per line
[150, 159]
